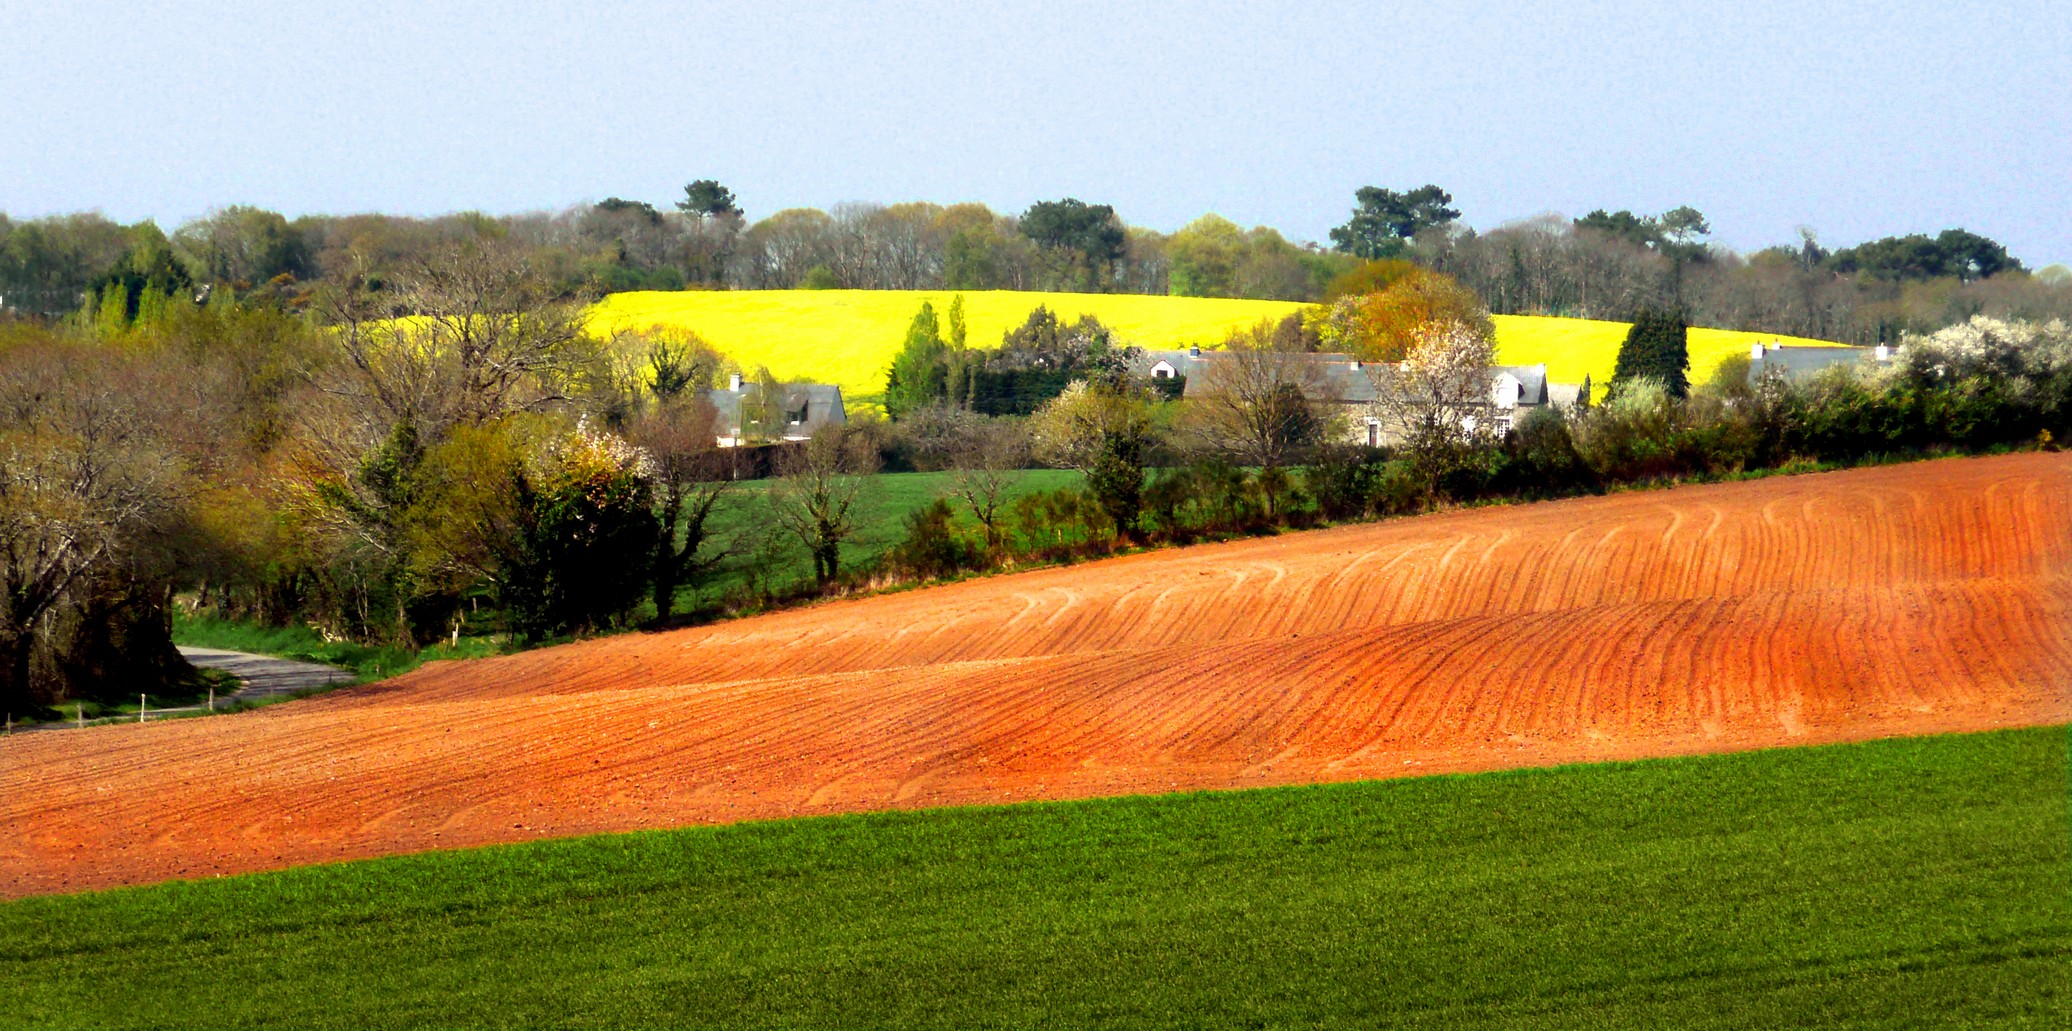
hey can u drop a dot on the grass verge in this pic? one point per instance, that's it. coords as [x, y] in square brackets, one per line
[1906, 883]
[369, 662]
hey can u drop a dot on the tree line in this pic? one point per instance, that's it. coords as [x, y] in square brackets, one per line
[1605, 264]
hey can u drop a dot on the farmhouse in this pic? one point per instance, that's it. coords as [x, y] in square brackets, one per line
[746, 415]
[1357, 388]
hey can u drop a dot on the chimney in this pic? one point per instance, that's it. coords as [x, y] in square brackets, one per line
[1755, 352]
[734, 383]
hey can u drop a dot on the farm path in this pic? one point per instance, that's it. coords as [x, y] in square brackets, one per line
[1909, 599]
[264, 676]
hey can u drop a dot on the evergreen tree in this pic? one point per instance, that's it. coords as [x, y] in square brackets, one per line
[1657, 348]
[920, 372]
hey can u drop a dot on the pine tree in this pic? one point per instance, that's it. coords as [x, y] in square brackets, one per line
[1657, 348]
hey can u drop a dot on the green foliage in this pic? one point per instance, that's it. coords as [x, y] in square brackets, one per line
[706, 198]
[1893, 884]
[1037, 360]
[933, 549]
[1346, 480]
[1384, 220]
[820, 277]
[1657, 348]
[585, 535]
[1952, 253]
[1675, 233]
[1086, 239]
[920, 372]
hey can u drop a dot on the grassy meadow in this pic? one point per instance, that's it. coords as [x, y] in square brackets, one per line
[848, 337]
[880, 516]
[1896, 884]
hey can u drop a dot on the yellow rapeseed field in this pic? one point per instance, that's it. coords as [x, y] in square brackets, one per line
[1574, 348]
[849, 337]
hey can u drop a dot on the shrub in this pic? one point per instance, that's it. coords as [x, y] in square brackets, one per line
[1346, 480]
[1540, 459]
[933, 550]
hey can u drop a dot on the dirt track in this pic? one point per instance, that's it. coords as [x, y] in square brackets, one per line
[1909, 599]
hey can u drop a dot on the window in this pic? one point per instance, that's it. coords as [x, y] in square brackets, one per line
[1503, 424]
[1373, 434]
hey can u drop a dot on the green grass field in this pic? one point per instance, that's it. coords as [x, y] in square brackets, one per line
[880, 519]
[848, 337]
[1900, 884]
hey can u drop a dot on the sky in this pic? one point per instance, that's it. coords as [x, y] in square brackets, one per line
[1858, 119]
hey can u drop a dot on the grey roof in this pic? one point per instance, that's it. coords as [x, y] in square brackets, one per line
[1141, 361]
[1800, 362]
[1338, 377]
[1533, 380]
[808, 406]
[1565, 394]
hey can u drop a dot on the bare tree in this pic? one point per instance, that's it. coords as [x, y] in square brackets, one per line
[816, 496]
[680, 435]
[470, 332]
[989, 465]
[82, 475]
[1261, 406]
[467, 335]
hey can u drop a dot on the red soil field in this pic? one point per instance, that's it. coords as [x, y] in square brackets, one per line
[1908, 599]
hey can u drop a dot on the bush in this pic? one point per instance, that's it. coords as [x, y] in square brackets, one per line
[1540, 459]
[933, 550]
[1345, 480]
[1629, 437]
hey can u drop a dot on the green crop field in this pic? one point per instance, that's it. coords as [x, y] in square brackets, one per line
[848, 337]
[1898, 884]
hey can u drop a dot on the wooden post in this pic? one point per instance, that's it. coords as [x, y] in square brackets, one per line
[10, 723]
[140, 707]
[79, 714]
[212, 698]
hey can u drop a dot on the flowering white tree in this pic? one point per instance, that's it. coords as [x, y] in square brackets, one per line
[1434, 399]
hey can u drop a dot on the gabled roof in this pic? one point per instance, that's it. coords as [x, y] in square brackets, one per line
[1183, 362]
[821, 404]
[1532, 380]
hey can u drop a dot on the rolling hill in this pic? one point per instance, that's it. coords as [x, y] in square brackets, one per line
[848, 337]
[1792, 610]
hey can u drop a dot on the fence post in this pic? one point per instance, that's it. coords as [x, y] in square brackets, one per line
[79, 714]
[212, 698]
[140, 707]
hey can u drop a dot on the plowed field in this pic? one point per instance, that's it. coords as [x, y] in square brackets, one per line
[1919, 598]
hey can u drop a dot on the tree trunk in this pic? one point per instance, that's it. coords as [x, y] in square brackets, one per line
[15, 696]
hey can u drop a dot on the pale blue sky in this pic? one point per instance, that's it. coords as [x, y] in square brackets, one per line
[1861, 119]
